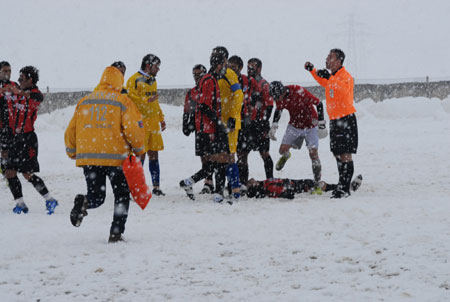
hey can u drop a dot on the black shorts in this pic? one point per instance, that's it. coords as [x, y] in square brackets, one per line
[23, 153]
[5, 139]
[344, 135]
[255, 137]
[244, 144]
[211, 143]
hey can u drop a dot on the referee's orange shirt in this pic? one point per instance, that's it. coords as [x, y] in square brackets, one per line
[338, 92]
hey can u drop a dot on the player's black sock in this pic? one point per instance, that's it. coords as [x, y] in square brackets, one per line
[268, 166]
[221, 173]
[341, 173]
[347, 171]
[16, 187]
[330, 187]
[206, 170]
[38, 184]
[243, 173]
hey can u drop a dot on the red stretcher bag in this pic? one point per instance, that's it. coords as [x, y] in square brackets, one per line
[134, 173]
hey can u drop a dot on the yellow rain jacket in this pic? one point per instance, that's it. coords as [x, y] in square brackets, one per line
[140, 87]
[106, 126]
[231, 97]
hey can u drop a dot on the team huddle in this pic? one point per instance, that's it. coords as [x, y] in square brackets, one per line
[228, 112]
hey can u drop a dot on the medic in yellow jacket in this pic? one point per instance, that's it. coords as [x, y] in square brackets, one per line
[106, 126]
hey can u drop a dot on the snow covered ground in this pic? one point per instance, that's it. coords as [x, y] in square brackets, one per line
[388, 242]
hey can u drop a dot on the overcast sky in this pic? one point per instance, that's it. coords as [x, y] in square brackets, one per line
[71, 42]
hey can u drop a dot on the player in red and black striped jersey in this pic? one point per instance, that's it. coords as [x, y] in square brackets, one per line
[287, 188]
[212, 133]
[6, 96]
[258, 109]
[23, 152]
[303, 124]
[190, 103]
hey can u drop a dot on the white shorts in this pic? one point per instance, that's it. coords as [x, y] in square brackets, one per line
[294, 137]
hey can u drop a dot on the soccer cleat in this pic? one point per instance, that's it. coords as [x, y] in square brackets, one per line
[114, 238]
[233, 198]
[243, 190]
[20, 208]
[281, 162]
[338, 193]
[79, 210]
[356, 182]
[316, 191]
[217, 198]
[51, 204]
[186, 185]
[158, 192]
[207, 189]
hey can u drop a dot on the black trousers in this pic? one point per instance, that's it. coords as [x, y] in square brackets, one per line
[96, 192]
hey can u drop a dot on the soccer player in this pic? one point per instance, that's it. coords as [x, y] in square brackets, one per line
[190, 104]
[260, 106]
[211, 132]
[231, 99]
[22, 155]
[287, 188]
[5, 98]
[243, 146]
[303, 124]
[142, 89]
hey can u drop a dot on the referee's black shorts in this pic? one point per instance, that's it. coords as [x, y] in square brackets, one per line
[344, 135]
[211, 143]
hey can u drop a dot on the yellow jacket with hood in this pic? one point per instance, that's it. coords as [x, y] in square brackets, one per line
[140, 88]
[106, 126]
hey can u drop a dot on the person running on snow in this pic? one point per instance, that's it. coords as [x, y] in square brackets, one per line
[105, 115]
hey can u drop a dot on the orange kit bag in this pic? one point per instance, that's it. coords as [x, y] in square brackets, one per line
[134, 173]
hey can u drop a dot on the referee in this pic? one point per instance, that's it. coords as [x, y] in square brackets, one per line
[341, 111]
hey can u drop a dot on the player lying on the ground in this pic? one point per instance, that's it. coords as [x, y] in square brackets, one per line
[287, 188]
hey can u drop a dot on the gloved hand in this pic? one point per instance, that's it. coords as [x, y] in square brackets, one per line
[231, 124]
[323, 132]
[221, 127]
[186, 128]
[309, 66]
[272, 131]
[323, 73]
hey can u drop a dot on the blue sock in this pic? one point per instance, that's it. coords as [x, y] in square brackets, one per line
[153, 166]
[233, 175]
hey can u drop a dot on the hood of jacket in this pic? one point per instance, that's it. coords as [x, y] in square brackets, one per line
[111, 78]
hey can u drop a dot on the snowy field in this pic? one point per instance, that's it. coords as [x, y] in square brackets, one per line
[390, 241]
